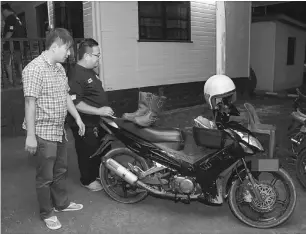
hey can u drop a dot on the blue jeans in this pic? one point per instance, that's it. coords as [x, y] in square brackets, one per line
[51, 174]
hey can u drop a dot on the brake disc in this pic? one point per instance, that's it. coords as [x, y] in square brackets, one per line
[269, 197]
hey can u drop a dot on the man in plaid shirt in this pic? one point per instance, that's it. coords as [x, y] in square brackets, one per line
[45, 87]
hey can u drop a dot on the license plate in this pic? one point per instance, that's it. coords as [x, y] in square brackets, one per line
[265, 164]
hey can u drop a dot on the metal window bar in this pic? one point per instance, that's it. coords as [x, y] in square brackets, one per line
[154, 18]
[30, 48]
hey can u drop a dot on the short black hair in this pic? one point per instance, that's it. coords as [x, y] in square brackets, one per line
[61, 34]
[6, 6]
[85, 44]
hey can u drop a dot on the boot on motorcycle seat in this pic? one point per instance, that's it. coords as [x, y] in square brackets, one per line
[150, 117]
[143, 103]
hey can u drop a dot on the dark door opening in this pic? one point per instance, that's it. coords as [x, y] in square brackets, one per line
[21, 16]
[42, 19]
[69, 15]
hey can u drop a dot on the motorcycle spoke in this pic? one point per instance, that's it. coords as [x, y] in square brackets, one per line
[124, 189]
[240, 200]
[281, 202]
[112, 185]
[273, 181]
[303, 167]
[261, 215]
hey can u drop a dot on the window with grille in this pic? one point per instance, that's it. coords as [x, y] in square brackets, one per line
[164, 21]
[291, 50]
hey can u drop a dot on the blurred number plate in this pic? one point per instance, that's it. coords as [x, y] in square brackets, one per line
[265, 164]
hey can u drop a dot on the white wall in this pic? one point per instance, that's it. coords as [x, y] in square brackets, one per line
[129, 64]
[263, 53]
[30, 14]
[288, 76]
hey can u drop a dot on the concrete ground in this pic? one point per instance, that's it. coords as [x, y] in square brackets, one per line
[19, 209]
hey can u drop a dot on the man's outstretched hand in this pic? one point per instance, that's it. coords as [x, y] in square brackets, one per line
[106, 111]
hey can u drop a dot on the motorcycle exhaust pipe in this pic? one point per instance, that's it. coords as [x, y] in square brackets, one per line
[121, 171]
[132, 179]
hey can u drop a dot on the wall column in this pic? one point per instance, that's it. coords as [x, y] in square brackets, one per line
[220, 38]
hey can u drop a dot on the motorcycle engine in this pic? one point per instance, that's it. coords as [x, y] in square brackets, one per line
[182, 185]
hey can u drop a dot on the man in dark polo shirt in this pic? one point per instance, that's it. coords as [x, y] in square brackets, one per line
[90, 99]
[13, 28]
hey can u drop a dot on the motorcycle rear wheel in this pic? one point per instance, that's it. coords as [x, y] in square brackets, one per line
[260, 222]
[301, 167]
[106, 176]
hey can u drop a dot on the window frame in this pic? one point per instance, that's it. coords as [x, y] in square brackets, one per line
[188, 40]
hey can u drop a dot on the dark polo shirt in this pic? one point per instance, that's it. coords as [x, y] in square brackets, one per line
[14, 25]
[86, 86]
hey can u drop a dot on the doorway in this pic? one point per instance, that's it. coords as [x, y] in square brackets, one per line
[69, 15]
[42, 19]
[22, 19]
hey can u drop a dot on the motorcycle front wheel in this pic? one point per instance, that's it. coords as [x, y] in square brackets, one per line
[301, 167]
[279, 199]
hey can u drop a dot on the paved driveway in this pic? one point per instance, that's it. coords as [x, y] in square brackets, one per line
[103, 215]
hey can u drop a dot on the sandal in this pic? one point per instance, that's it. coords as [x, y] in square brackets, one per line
[53, 223]
[72, 207]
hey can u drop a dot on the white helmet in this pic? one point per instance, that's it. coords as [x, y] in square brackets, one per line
[217, 88]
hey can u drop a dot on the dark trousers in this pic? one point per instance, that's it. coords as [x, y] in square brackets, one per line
[85, 147]
[51, 174]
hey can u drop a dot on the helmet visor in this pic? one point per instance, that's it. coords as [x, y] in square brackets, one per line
[226, 99]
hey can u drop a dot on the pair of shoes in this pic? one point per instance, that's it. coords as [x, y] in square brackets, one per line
[149, 107]
[94, 186]
[53, 223]
[72, 207]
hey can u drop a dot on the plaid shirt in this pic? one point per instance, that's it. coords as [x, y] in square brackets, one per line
[49, 85]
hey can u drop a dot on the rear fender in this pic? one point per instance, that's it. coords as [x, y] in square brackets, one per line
[106, 141]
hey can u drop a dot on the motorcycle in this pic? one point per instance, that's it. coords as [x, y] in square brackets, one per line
[297, 133]
[220, 168]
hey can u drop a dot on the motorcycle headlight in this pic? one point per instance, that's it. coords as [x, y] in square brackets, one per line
[250, 140]
[253, 141]
[246, 148]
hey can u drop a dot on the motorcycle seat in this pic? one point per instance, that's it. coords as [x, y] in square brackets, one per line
[152, 134]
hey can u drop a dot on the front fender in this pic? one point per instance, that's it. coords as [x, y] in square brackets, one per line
[106, 141]
[254, 165]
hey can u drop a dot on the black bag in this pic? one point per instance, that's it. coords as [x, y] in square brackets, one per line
[210, 138]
